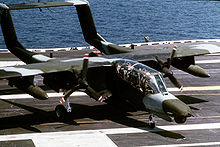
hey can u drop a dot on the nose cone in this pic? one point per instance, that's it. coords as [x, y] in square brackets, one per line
[178, 109]
[166, 105]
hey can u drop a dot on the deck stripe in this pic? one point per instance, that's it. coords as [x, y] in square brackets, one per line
[26, 96]
[207, 61]
[97, 137]
[202, 88]
[106, 121]
[186, 145]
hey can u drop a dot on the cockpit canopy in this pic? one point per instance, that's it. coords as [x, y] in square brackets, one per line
[140, 76]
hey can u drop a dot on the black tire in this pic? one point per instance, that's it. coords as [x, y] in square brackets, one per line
[152, 123]
[60, 112]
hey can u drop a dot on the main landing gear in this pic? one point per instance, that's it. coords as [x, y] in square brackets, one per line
[63, 109]
[60, 112]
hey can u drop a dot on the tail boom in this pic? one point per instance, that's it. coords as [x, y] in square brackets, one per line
[90, 33]
[11, 39]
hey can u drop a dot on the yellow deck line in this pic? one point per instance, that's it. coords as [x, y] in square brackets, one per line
[141, 119]
[196, 88]
[202, 88]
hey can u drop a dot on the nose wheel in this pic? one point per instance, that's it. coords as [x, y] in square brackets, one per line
[152, 122]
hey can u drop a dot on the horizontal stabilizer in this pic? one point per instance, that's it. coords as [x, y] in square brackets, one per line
[47, 4]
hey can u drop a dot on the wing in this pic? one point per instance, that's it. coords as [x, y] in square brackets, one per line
[55, 66]
[184, 49]
[196, 49]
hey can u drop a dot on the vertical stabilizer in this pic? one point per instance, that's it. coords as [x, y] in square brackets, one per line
[10, 37]
[90, 34]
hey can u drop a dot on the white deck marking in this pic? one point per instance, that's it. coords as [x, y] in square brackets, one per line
[96, 137]
[27, 96]
[207, 61]
[185, 145]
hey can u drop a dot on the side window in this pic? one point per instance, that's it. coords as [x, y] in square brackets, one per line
[160, 84]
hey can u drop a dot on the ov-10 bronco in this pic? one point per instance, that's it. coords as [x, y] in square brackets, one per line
[122, 74]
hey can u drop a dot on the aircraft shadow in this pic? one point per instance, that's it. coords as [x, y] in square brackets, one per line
[97, 112]
[190, 100]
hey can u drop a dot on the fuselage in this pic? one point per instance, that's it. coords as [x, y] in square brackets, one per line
[141, 86]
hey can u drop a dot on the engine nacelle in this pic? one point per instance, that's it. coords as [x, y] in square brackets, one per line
[196, 71]
[29, 88]
[187, 64]
[36, 92]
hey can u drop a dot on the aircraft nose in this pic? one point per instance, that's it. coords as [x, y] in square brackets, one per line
[178, 109]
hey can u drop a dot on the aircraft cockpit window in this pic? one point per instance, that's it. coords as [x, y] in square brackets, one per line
[141, 77]
[160, 83]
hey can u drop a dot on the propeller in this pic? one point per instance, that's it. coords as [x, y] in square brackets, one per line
[82, 83]
[167, 72]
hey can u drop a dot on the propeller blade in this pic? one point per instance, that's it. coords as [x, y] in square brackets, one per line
[85, 66]
[94, 94]
[174, 81]
[161, 63]
[169, 61]
[68, 93]
[165, 69]
[166, 72]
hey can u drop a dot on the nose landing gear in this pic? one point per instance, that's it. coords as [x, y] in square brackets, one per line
[152, 122]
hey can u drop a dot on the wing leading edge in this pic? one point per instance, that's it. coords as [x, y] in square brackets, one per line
[55, 66]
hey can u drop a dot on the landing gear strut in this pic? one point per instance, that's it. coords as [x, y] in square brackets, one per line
[152, 122]
[62, 110]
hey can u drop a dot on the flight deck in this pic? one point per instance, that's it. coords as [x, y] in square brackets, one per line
[25, 121]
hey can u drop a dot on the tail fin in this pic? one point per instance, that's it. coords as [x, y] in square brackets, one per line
[85, 18]
[11, 40]
[90, 34]
[10, 36]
